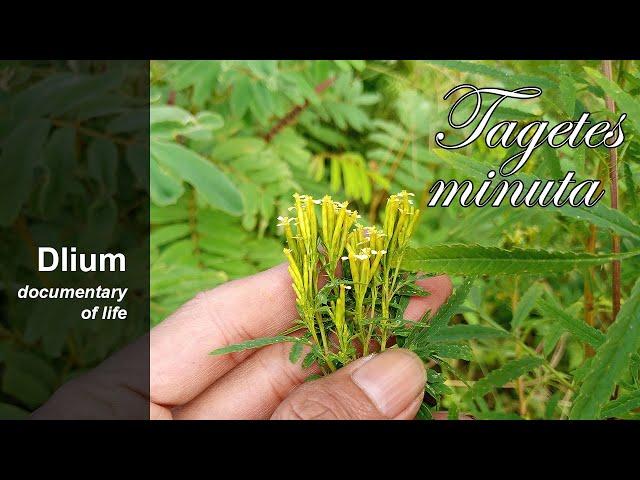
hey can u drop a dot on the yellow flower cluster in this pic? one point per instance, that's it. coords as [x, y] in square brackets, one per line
[365, 288]
[337, 220]
[400, 220]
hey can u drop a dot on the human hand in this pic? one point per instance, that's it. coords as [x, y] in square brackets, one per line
[187, 383]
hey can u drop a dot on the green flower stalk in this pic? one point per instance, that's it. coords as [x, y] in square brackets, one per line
[400, 221]
[338, 315]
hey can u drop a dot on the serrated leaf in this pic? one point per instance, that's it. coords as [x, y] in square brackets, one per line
[452, 350]
[576, 327]
[611, 360]
[423, 332]
[503, 75]
[456, 333]
[461, 259]
[256, 343]
[509, 371]
[626, 103]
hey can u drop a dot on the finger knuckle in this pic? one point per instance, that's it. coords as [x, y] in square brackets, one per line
[320, 406]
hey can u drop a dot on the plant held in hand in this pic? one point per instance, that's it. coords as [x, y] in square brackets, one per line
[353, 283]
[347, 279]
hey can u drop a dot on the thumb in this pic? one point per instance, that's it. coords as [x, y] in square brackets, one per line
[388, 385]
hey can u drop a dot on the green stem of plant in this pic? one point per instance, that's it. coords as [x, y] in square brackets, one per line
[616, 275]
[325, 343]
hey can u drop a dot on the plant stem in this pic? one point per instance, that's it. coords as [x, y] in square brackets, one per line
[522, 401]
[589, 302]
[613, 176]
[295, 112]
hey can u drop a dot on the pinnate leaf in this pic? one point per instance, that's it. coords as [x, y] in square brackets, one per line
[611, 360]
[574, 326]
[506, 373]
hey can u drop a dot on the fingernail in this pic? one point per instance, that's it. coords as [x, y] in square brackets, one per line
[391, 380]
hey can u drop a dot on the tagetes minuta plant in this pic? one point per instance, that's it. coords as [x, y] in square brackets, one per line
[346, 277]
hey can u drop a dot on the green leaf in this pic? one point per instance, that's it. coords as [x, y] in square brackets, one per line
[611, 360]
[21, 152]
[169, 113]
[209, 181]
[567, 93]
[506, 373]
[601, 216]
[456, 333]
[622, 405]
[308, 360]
[60, 158]
[102, 159]
[211, 120]
[525, 305]
[578, 328]
[237, 147]
[552, 403]
[452, 350]
[625, 102]
[167, 234]
[503, 75]
[461, 259]
[296, 351]
[240, 96]
[256, 343]
[164, 189]
[422, 332]
[424, 413]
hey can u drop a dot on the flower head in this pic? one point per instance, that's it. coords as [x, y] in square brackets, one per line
[400, 221]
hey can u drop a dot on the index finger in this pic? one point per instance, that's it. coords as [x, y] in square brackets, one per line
[261, 305]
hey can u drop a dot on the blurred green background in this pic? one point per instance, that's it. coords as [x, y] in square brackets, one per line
[232, 140]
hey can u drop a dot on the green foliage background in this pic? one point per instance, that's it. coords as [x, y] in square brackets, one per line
[73, 172]
[232, 140]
